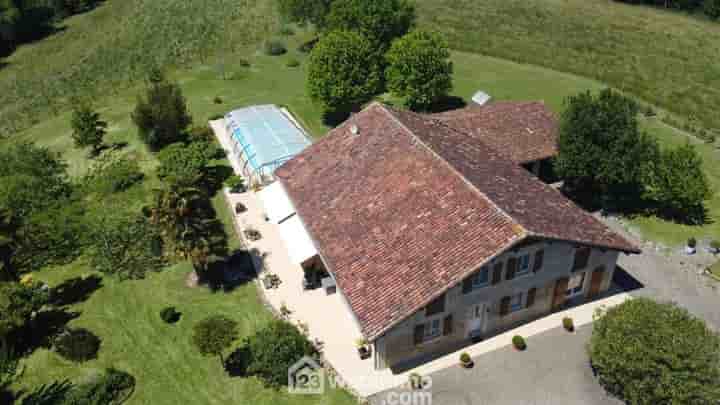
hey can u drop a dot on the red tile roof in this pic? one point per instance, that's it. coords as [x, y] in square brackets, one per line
[524, 131]
[408, 207]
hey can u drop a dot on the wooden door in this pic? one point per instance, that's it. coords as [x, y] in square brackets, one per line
[561, 286]
[595, 282]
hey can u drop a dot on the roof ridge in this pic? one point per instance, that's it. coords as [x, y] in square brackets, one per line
[387, 109]
[532, 178]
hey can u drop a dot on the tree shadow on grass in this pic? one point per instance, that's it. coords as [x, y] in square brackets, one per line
[226, 274]
[629, 202]
[47, 394]
[75, 290]
[41, 330]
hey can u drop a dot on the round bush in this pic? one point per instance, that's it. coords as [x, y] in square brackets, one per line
[293, 63]
[519, 342]
[646, 352]
[568, 324]
[170, 315]
[274, 47]
[274, 349]
[77, 345]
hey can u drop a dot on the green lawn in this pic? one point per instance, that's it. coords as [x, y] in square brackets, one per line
[677, 234]
[664, 57]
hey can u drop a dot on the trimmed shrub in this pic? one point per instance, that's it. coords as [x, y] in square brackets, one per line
[271, 351]
[274, 47]
[715, 246]
[647, 352]
[217, 100]
[519, 342]
[170, 315]
[243, 63]
[568, 324]
[465, 360]
[692, 242]
[77, 345]
[293, 63]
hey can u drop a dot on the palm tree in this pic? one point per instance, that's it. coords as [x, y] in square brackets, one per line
[178, 212]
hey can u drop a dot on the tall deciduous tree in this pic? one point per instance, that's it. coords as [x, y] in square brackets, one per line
[305, 11]
[677, 182]
[88, 129]
[380, 21]
[161, 116]
[184, 165]
[419, 69]
[600, 143]
[651, 353]
[344, 72]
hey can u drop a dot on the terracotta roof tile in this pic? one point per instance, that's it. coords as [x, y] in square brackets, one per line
[408, 207]
[524, 131]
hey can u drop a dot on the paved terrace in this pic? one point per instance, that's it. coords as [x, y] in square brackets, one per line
[328, 319]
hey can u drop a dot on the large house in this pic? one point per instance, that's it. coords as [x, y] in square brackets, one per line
[437, 232]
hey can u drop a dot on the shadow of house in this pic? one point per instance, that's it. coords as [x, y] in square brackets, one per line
[448, 103]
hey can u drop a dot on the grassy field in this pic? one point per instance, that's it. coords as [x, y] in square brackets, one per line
[676, 234]
[105, 50]
[125, 315]
[666, 58]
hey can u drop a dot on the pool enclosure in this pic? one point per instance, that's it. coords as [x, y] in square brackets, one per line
[263, 138]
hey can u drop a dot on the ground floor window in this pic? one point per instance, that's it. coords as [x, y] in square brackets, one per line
[516, 302]
[432, 330]
[575, 285]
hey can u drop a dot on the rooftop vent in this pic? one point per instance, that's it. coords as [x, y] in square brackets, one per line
[354, 129]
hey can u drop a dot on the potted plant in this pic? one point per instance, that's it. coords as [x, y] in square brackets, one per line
[568, 324]
[465, 360]
[236, 184]
[715, 246]
[416, 381]
[519, 343]
[252, 234]
[690, 248]
[363, 348]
